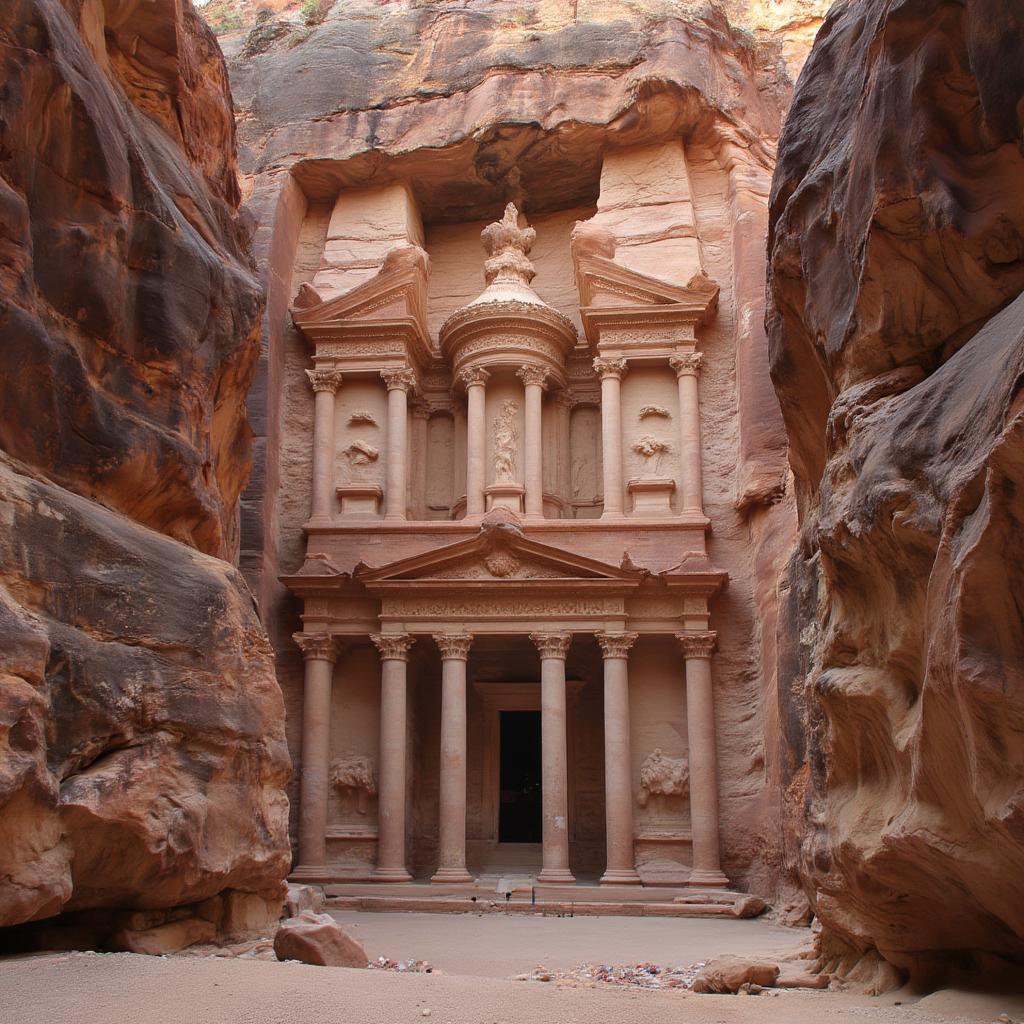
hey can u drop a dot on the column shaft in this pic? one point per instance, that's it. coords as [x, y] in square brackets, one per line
[533, 378]
[692, 494]
[399, 382]
[451, 865]
[703, 755]
[420, 423]
[621, 864]
[391, 771]
[554, 758]
[611, 371]
[476, 438]
[325, 384]
[564, 420]
[318, 651]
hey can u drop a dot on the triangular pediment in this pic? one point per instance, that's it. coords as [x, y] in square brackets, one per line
[498, 553]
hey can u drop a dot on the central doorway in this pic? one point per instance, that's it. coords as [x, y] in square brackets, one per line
[520, 811]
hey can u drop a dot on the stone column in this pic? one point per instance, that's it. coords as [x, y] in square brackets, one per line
[394, 658]
[687, 368]
[618, 773]
[563, 408]
[700, 734]
[420, 419]
[554, 757]
[451, 860]
[319, 652]
[325, 384]
[533, 378]
[611, 371]
[475, 382]
[399, 383]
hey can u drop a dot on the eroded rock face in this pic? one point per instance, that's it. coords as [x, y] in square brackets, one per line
[897, 340]
[142, 760]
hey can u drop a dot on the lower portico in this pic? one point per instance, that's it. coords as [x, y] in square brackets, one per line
[467, 635]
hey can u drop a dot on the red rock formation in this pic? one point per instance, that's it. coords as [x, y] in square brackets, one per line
[897, 349]
[142, 761]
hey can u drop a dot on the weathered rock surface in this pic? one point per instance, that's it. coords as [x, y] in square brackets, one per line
[728, 974]
[318, 939]
[897, 350]
[142, 761]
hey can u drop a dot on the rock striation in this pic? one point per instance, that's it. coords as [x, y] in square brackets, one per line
[897, 345]
[142, 758]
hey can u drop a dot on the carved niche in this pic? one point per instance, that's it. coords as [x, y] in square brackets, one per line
[352, 777]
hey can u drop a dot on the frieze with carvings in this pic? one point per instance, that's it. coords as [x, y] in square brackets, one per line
[487, 607]
[337, 350]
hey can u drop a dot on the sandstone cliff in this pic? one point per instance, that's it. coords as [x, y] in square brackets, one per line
[142, 761]
[897, 346]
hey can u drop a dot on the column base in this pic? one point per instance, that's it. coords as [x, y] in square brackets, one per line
[448, 876]
[708, 879]
[626, 876]
[556, 876]
[310, 873]
[391, 875]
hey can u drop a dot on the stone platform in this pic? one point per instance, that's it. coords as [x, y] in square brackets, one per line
[521, 896]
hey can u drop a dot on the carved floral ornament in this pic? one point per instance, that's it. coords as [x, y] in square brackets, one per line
[609, 367]
[686, 364]
[698, 645]
[474, 376]
[616, 645]
[316, 646]
[454, 646]
[399, 379]
[552, 645]
[532, 375]
[324, 380]
[392, 646]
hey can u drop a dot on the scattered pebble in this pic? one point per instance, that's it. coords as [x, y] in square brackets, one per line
[383, 963]
[642, 975]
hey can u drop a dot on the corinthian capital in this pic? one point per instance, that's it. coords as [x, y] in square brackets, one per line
[687, 363]
[319, 646]
[532, 375]
[616, 645]
[473, 375]
[399, 379]
[552, 645]
[392, 646]
[609, 367]
[698, 645]
[454, 646]
[324, 380]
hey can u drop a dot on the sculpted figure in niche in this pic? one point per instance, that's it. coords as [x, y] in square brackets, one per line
[664, 776]
[652, 449]
[506, 441]
[352, 776]
[360, 455]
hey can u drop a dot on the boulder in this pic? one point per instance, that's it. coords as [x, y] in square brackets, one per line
[318, 939]
[728, 974]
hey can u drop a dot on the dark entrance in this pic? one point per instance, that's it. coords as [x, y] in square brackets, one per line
[519, 813]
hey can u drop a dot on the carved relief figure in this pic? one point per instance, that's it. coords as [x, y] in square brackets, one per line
[651, 447]
[654, 410]
[506, 440]
[352, 776]
[360, 454]
[664, 776]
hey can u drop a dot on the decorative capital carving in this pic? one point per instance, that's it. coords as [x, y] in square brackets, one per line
[401, 379]
[318, 646]
[616, 645]
[392, 646]
[532, 375]
[552, 645]
[563, 398]
[454, 646]
[609, 367]
[686, 364]
[472, 376]
[698, 645]
[324, 380]
[420, 408]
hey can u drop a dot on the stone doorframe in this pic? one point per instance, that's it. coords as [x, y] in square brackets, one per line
[498, 697]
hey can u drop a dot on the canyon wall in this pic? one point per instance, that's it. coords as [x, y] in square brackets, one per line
[469, 106]
[897, 348]
[142, 756]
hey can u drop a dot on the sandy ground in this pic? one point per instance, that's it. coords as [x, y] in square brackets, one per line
[496, 946]
[121, 988]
